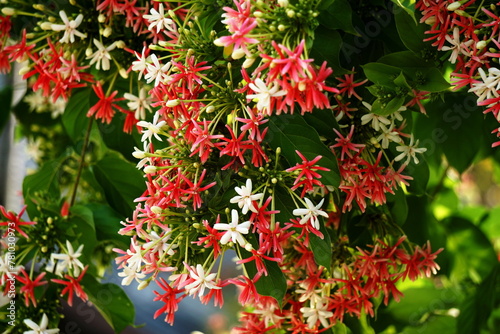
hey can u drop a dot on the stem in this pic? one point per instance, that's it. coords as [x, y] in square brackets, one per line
[82, 160]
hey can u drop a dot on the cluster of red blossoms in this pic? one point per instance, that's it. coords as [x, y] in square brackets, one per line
[468, 31]
[203, 96]
[216, 185]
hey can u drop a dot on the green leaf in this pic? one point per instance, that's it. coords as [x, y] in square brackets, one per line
[328, 51]
[291, 133]
[420, 173]
[323, 121]
[5, 100]
[408, 6]
[107, 223]
[111, 301]
[476, 309]
[384, 109]
[381, 74]
[473, 254]
[412, 33]
[434, 324]
[82, 219]
[420, 300]
[45, 180]
[423, 75]
[75, 119]
[398, 206]
[322, 248]
[338, 15]
[272, 285]
[121, 181]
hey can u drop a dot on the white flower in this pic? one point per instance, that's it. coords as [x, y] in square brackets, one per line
[136, 258]
[129, 275]
[39, 329]
[388, 135]
[490, 85]
[142, 155]
[157, 19]
[201, 281]
[234, 230]
[157, 72]
[138, 104]
[69, 28]
[409, 151]
[311, 213]
[101, 55]
[69, 259]
[457, 47]
[264, 94]
[158, 244]
[245, 197]
[152, 129]
[376, 120]
[316, 312]
[141, 64]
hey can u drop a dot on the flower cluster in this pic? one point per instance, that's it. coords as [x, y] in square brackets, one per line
[225, 174]
[251, 141]
[468, 32]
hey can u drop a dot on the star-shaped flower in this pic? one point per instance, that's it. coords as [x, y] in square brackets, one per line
[310, 213]
[234, 230]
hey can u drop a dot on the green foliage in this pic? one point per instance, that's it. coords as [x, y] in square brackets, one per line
[291, 133]
[121, 181]
[111, 301]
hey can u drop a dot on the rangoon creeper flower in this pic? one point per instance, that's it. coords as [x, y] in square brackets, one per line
[201, 281]
[40, 329]
[129, 275]
[152, 129]
[264, 94]
[136, 258]
[245, 198]
[234, 230]
[490, 85]
[457, 47]
[69, 260]
[69, 28]
[101, 56]
[157, 72]
[409, 151]
[138, 104]
[316, 312]
[310, 213]
[157, 19]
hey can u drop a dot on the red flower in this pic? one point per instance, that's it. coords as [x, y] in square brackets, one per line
[73, 286]
[28, 288]
[307, 173]
[14, 221]
[169, 298]
[104, 108]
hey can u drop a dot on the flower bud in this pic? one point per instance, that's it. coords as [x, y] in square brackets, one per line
[453, 6]
[7, 11]
[138, 154]
[107, 32]
[248, 62]
[172, 103]
[481, 45]
[101, 18]
[123, 73]
[88, 52]
[150, 169]
[143, 285]
[156, 209]
[46, 26]
[238, 53]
